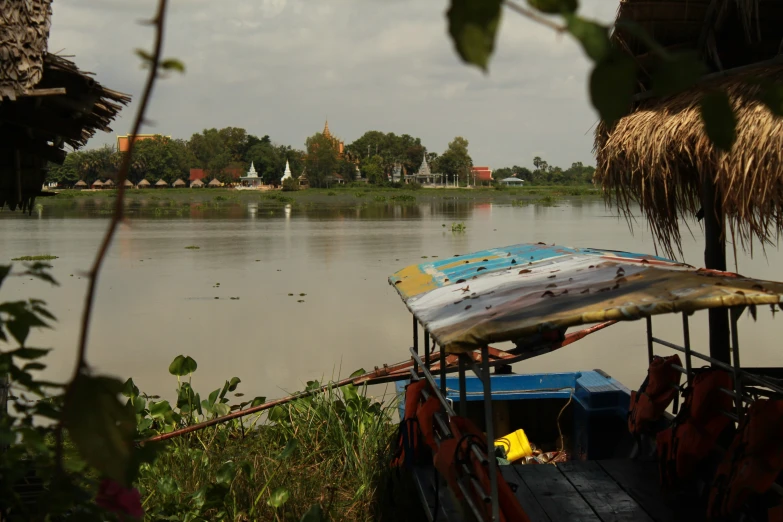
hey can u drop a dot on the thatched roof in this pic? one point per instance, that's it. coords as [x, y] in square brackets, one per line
[80, 183]
[161, 183]
[143, 183]
[178, 183]
[128, 183]
[108, 183]
[659, 155]
[46, 102]
[214, 183]
[97, 183]
[197, 183]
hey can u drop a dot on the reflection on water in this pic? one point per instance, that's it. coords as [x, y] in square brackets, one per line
[156, 299]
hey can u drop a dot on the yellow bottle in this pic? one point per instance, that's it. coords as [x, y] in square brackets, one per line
[516, 445]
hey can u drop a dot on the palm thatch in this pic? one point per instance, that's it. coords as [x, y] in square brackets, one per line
[161, 183]
[108, 183]
[46, 102]
[197, 183]
[143, 184]
[80, 184]
[214, 183]
[178, 183]
[97, 184]
[659, 156]
[128, 183]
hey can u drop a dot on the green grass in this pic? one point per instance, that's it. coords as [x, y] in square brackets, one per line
[331, 449]
[46, 257]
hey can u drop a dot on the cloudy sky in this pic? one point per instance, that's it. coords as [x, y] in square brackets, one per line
[280, 67]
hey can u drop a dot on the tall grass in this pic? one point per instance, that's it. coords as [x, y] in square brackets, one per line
[331, 449]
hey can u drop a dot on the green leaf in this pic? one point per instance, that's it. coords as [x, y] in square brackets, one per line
[144, 55]
[278, 497]
[258, 401]
[612, 85]
[594, 37]
[233, 383]
[277, 413]
[554, 6]
[182, 365]
[213, 397]
[676, 74]
[99, 425]
[289, 449]
[172, 64]
[129, 389]
[357, 373]
[33, 366]
[29, 353]
[248, 469]
[472, 26]
[720, 122]
[226, 473]
[314, 514]
[167, 486]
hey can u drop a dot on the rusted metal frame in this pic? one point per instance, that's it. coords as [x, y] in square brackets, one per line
[466, 495]
[734, 314]
[415, 341]
[686, 337]
[761, 381]
[490, 430]
[426, 348]
[471, 363]
[650, 340]
[463, 396]
[431, 380]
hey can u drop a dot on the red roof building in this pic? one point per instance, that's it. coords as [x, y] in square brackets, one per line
[197, 174]
[481, 175]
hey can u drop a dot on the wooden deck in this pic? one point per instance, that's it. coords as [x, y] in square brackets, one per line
[598, 491]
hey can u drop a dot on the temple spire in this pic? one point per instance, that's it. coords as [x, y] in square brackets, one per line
[326, 129]
[287, 173]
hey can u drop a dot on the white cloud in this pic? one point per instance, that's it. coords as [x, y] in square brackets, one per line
[278, 67]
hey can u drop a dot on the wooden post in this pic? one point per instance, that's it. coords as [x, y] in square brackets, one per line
[715, 258]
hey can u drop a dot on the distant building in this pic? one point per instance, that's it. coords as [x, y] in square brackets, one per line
[123, 142]
[197, 174]
[481, 175]
[251, 179]
[287, 173]
[512, 181]
[336, 142]
[424, 175]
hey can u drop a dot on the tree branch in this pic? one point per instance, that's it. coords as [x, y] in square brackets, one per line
[532, 15]
[154, 61]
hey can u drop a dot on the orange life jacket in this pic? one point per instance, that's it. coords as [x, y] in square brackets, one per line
[655, 394]
[753, 461]
[408, 438]
[426, 422]
[454, 452]
[695, 431]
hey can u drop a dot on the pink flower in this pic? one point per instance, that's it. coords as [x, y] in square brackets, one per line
[112, 496]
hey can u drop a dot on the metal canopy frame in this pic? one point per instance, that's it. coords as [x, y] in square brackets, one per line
[481, 370]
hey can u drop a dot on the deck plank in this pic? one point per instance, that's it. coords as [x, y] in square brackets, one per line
[523, 494]
[556, 495]
[604, 495]
[640, 480]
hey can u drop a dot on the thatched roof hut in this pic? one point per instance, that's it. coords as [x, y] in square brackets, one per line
[660, 157]
[161, 183]
[46, 102]
[80, 185]
[196, 183]
[178, 184]
[97, 184]
[143, 184]
[128, 183]
[108, 184]
[214, 183]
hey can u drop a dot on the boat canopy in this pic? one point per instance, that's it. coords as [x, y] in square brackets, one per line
[508, 294]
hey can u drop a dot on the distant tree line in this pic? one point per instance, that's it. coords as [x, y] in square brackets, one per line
[545, 174]
[226, 153]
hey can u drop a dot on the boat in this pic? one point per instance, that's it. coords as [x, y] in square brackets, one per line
[593, 449]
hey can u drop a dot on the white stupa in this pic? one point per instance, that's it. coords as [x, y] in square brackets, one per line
[287, 173]
[251, 179]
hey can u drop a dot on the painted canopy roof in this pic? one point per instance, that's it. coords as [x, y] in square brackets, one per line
[506, 294]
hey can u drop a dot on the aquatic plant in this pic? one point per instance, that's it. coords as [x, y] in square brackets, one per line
[402, 198]
[546, 201]
[458, 227]
[331, 193]
[46, 257]
[379, 198]
[192, 247]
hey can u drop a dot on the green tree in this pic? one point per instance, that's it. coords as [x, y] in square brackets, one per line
[160, 157]
[322, 159]
[373, 170]
[455, 162]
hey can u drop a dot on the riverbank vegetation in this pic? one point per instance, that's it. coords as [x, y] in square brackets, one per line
[227, 153]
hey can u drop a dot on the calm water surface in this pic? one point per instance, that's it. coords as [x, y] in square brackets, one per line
[157, 299]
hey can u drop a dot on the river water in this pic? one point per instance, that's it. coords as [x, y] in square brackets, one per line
[156, 299]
